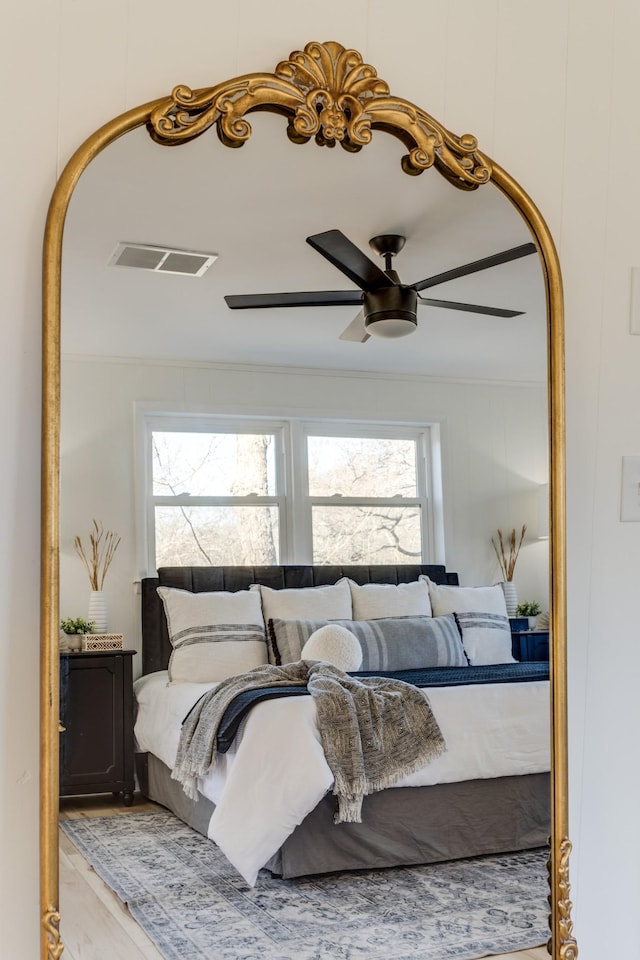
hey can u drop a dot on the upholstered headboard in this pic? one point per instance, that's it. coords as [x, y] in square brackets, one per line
[156, 648]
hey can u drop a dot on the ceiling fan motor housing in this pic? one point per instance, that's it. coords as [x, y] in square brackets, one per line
[391, 312]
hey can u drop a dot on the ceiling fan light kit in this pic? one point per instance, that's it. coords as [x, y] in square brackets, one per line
[391, 312]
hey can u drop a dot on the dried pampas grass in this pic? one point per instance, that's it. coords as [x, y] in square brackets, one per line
[507, 550]
[97, 559]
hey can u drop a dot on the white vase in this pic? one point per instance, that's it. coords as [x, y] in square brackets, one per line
[98, 611]
[510, 597]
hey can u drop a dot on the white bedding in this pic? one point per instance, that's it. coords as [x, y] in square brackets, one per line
[276, 773]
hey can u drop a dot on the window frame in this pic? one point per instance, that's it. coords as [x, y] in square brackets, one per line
[420, 435]
[292, 497]
[205, 423]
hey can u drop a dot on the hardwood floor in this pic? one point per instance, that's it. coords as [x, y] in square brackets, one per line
[93, 916]
[74, 808]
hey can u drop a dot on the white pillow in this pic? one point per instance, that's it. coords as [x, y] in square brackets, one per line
[377, 601]
[446, 599]
[336, 645]
[486, 638]
[306, 603]
[214, 635]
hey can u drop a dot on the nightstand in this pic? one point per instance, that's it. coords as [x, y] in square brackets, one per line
[530, 644]
[96, 711]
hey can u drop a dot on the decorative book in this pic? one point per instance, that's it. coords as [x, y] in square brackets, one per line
[102, 641]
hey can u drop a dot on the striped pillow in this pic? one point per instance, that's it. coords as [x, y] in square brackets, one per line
[214, 635]
[486, 638]
[395, 643]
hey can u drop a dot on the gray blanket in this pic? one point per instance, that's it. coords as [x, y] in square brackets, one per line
[374, 730]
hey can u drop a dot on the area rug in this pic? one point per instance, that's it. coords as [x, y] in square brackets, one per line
[192, 904]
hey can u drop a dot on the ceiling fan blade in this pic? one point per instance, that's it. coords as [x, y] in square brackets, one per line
[471, 308]
[313, 298]
[343, 254]
[356, 331]
[524, 250]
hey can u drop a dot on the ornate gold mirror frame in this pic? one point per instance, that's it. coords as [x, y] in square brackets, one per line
[327, 93]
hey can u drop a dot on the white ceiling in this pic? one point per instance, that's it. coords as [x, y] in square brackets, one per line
[254, 206]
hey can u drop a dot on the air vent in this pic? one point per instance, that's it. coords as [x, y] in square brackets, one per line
[144, 256]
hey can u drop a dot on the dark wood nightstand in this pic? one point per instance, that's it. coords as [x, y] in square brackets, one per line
[530, 644]
[96, 711]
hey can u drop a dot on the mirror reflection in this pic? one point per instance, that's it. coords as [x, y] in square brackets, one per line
[209, 437]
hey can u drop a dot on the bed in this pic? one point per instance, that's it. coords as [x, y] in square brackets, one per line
[504, 809]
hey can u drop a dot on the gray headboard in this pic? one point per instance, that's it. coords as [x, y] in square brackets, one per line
[156, 647]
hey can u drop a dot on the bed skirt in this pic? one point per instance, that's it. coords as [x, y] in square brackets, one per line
[400, 826]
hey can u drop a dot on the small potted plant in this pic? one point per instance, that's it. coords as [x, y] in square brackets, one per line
[529, 609]
[72, 632]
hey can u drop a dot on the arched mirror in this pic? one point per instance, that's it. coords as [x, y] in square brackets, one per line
[144, 244]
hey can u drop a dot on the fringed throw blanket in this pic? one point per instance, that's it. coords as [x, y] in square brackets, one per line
[374, 730]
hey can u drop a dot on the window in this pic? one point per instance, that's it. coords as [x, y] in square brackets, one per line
[235, 491]
[216, 493]
[365, 498]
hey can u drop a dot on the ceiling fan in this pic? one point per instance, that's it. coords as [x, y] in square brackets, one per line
[389, 307]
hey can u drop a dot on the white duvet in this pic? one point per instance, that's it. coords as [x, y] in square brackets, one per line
[275, 773]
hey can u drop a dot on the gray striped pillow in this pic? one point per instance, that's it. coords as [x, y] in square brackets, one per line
[214, 635]
[394, 643]
[486, 638]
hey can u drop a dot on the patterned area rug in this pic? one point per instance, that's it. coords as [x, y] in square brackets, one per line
[192, 903]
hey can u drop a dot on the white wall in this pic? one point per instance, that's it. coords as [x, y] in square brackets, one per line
[493, 439]
[551, 89]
